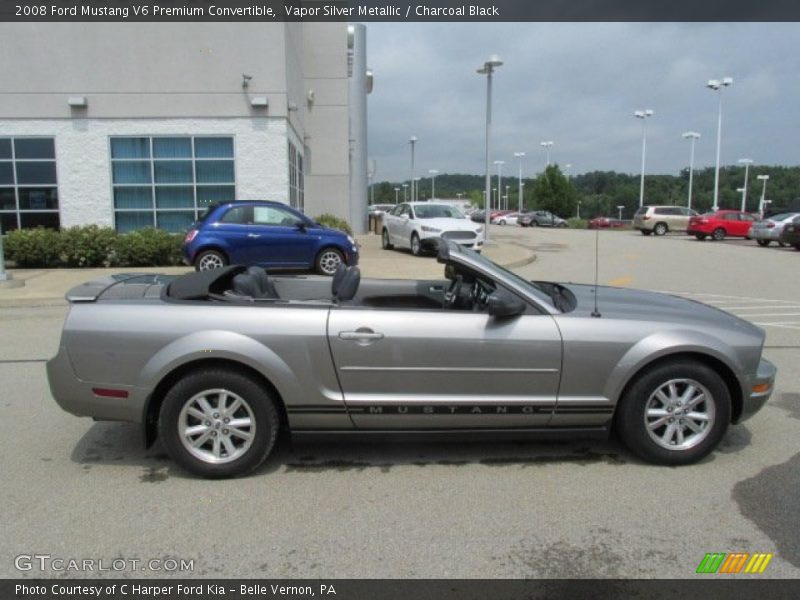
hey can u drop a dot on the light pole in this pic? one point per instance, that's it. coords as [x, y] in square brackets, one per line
[546, 145]
[433, 173]
[495, 195]
[488, 69]
[396, 191]
[567, 167]
[412, 141]
[764, 179]
[693, 136]
[746, 162]
[619, 208]
[717, 85]
[415, 189]
[520, 156]
[579, 210]
[499, 164]
[405, 192]
[3, 275]
[505, 204]
[643, 115]
[743, 192]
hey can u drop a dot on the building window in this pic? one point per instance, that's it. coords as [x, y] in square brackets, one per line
[296, 179]
[166, 182]
[28, 183]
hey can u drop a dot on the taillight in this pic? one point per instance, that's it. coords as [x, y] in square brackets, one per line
[190, 236]
[645, 218]
[770, 225]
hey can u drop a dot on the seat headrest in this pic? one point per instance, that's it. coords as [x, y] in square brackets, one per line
[245, 284]
[349, 285]
[265, 288]
[337, 279]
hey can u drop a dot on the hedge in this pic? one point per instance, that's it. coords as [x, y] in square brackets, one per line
[329, 220]
[92, 246]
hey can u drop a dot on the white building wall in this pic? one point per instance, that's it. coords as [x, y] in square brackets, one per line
[83, 158]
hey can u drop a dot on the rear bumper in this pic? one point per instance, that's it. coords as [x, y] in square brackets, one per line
[79, 398]
[761, 387]
[772, 235]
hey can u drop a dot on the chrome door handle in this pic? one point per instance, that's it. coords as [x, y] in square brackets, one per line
[362, 334]
[253, 235]
[436, 288]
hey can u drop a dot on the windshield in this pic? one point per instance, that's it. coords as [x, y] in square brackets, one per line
[437, 211]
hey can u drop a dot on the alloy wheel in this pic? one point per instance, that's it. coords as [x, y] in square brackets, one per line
[211, 261]
[329, 261]
[679, 414]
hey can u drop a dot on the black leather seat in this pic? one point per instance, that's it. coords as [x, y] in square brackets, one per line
[348, 287]
[264, 286]
[338, 275]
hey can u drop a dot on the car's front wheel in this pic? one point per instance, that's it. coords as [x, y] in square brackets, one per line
[674, 413]
[763, 243]
[385, 243]
[218, 423]
[328, 260]
[416, 245]
[718, 234]
[210, 259]
[700, 236]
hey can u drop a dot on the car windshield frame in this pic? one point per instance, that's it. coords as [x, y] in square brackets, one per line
[421, 209]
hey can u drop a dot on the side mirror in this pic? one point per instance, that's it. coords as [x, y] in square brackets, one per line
[501, 303]
[302, 225]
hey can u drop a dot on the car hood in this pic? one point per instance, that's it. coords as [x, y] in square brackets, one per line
[629, 304]
[447, 224]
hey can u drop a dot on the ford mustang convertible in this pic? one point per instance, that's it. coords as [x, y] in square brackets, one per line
[216, 363]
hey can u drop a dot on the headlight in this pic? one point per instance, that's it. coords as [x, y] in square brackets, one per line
[431, 229]
[479, 230]
[351, 240]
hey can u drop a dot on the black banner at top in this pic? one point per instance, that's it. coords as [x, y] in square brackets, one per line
[398, 11]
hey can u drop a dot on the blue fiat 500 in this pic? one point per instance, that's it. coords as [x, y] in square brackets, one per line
[268, 234]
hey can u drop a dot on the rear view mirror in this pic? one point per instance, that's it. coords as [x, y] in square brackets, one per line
[501, 303]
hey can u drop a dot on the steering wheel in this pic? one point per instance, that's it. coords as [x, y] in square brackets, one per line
[452, 293]
[479, 296]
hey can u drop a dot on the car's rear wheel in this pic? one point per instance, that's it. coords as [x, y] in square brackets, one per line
[385, 243]
[328, 260]
[501, 222]
[562, 224]
[416, 245]
[660, 229]
[763, 243]
[674, 413]
[718, 234]
[218, 423]
[210, 259]
[700, 236]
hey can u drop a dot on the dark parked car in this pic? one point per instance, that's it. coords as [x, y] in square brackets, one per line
[791, 233]
[541, 218]
[606, 223]
[267, 234]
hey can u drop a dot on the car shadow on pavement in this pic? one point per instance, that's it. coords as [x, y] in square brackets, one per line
[121, 444]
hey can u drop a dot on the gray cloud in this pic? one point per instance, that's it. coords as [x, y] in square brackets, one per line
[578, 84]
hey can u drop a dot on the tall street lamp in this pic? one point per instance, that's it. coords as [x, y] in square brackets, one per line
[763, 178]
[433, 173]
[567, 167]
[546, 145]
[505, 206]
[717, 85]
[415, 189]
[488, 69]
[746, 162]
[520, 156]
[692, 136]
[412, 140]
[396, 191]
[643, 115]
[499, 164]
[743, 192]
[578, 215]
[619, 208]
[405, 192]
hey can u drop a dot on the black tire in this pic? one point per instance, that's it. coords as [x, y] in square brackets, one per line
[782, 244]
[718, 234]
[797, 246]
[328, 260]
[660, 229]
[763, 243]
[210, 259]
[415, 244]
[256, 396]
[630, 419]
[645, 231]
[501, 222]
[700, 236]
[385, 243]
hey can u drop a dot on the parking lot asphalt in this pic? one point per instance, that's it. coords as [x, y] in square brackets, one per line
[78, 489]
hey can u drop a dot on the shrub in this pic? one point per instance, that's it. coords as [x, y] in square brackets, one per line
[33, 248]
[88, 246]
[149, 248]
[575, 223]
[328, 220]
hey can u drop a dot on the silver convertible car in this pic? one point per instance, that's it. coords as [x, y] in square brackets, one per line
[216, 363]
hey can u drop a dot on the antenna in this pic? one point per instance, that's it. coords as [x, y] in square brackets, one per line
[596, 311]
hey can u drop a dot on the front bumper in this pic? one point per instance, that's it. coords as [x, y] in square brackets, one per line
[760, 390]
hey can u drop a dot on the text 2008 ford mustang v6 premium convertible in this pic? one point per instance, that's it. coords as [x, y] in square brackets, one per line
[217, 362]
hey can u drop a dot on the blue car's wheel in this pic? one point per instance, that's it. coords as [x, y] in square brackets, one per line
[328, 261]
[210, 259]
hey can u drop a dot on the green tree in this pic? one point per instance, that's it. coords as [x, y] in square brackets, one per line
[553, 191]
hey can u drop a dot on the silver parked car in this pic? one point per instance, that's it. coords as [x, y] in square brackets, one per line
[770, 229]
[217, 362]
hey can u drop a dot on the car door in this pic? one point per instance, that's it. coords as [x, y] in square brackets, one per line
[234, 228]
[396, 223]
[438, 368]
[277, 240]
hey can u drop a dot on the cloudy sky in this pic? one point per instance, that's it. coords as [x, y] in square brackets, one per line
[578, 85]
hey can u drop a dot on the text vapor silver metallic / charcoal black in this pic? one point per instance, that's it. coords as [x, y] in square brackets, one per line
[217, 362]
